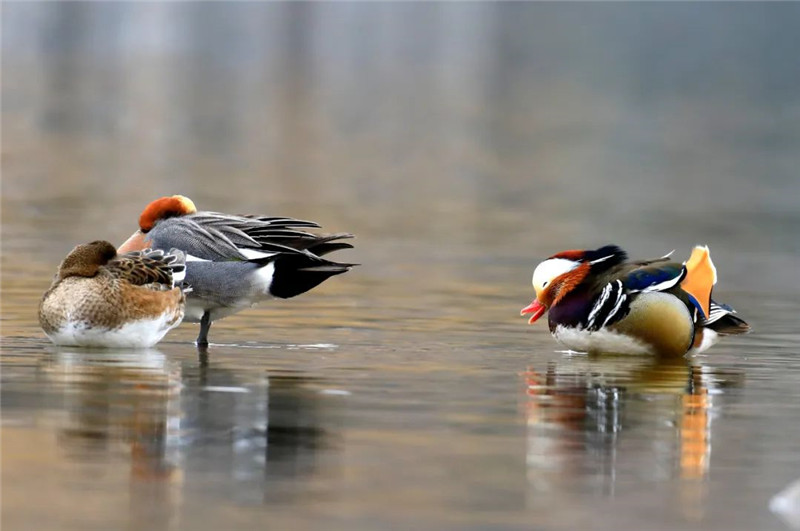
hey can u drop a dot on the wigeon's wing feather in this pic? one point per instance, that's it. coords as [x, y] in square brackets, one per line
[318, 245]
[148, 267]
[277, 221]
[275, 234]
[222, 237]
[200, 240]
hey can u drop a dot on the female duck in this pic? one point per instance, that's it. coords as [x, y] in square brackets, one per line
[101, 299]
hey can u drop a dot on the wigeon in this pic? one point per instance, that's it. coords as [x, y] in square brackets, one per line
[234, 262]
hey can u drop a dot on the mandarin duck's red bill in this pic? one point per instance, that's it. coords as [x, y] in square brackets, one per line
[102, 299]
[235, 262]
[536, 309]
[599, 301]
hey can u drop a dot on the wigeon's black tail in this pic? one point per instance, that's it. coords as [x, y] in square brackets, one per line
[296, 273]
[327, 244]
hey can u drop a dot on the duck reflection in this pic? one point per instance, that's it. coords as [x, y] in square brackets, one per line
[178, 422]
[264, 442]
[121, 396]
[125, 403]
[605, 420]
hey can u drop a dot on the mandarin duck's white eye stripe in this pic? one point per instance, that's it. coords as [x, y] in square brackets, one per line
[550, 269]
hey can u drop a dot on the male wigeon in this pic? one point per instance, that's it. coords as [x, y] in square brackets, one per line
[99, 298]
[234, 262]
[600, 302]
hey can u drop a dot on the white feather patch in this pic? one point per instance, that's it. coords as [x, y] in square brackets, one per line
[601, 259]
[620, 299]
[599, 304]
[710, 338]
[603, 340]
[717, 312]
[252, 254]
[667, 284]
[137, 334]
[178, 276]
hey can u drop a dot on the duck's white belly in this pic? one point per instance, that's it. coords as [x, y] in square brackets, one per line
[603, 340]
[137, 334]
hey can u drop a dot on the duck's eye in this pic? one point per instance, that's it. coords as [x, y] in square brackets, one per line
[546, 282]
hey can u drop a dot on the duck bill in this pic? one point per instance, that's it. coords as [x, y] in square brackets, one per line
[136, 242]
[535, 308]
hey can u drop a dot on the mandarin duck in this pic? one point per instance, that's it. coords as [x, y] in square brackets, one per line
[598, 301]
[234, 262]
[99, 298]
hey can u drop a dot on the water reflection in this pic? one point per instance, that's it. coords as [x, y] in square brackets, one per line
[586, 416]
[123, 405]
[243, 438]
[128, 397]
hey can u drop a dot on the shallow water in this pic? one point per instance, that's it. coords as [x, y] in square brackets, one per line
[461, 144]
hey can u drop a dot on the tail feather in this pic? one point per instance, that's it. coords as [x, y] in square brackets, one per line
[328, 247]
[285, 242]
[721, 320]
[297, 273]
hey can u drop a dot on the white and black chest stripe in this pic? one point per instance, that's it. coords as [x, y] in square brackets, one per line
[610, 306]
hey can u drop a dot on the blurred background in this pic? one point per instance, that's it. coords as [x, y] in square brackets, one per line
[462, 143]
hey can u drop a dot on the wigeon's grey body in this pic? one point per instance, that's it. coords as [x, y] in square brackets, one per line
[101, 299]
[234, 262]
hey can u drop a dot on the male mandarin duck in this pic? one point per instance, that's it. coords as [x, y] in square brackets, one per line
[600, 302]
[235, 262]
[102, 299]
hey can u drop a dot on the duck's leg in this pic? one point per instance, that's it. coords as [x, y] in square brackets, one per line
[205, 325]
